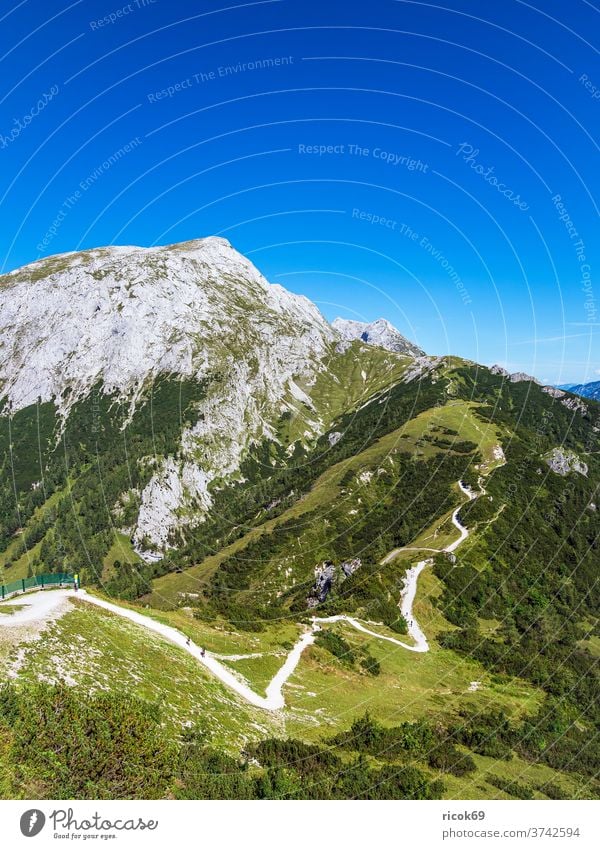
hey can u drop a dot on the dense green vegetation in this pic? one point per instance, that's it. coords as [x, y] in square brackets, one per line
[399, 501]
[522, 595]
[273, 480]
[58, 743]
[533, 568]
[99, 456]
[336, 645]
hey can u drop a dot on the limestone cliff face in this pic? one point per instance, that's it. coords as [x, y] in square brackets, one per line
[113, 320]
[120, 317]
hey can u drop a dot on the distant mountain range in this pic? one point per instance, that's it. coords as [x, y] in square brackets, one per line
[586, 390]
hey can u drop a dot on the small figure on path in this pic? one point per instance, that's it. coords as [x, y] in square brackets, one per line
[203, 652]
[187, 642]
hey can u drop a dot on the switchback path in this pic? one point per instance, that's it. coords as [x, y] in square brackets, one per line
[39, 606]
[412, 575]
[463, 532]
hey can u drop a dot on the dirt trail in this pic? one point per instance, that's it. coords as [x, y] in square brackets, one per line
[45, 605]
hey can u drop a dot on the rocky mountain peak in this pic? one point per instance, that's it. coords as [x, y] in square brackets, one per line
[380, 332]
[120, 316]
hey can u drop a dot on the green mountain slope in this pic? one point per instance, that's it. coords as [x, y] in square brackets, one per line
[357, 466]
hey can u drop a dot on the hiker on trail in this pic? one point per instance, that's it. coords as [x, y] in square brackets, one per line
[203, 652]
[187, 642]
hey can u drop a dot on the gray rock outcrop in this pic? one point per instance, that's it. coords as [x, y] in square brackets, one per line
[562, 461]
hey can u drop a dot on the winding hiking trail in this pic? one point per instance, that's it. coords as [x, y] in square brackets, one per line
[464, 533]
[412, 575]
[42, 606]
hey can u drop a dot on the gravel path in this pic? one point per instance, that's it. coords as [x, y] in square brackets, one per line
[42, 606]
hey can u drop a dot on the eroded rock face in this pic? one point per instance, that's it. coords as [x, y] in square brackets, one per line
[349, 567]
[553, 392]
[327, 576]
[515, 377]
[563, 461]
[422, 366]
[498, 453]
[521, 377]
[575, 404]
[568, 401]
[121, 317]
[324, 577]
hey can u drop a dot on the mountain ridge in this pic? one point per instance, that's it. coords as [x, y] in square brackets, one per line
[111, 321]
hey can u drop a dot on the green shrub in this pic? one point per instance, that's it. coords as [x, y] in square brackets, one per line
[371, 665]
[513, 788]
[336, 645]
[447, 758]
[65, 745]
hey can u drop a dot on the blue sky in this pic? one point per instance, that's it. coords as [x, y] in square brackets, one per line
[436, 164]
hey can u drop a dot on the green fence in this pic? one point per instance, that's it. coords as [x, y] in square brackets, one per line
[49, 580]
